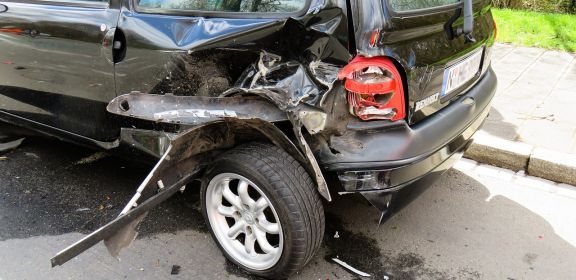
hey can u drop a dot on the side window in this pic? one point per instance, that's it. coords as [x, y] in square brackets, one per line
[245, 6]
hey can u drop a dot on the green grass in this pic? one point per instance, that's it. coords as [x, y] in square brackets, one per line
[535, 29]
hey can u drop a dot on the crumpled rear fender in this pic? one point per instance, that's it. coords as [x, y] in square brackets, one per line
[240, 115]
[183, 158]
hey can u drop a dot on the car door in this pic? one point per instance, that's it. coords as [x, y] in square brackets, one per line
[197, 47]
[56, 65]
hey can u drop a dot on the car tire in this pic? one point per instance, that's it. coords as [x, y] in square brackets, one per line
[253, 175]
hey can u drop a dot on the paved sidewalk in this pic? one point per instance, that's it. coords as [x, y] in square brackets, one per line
[536, 99]
[532, 124]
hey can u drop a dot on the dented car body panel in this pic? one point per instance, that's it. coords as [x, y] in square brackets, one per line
[430, 50]
[165, 80]
[54, 68]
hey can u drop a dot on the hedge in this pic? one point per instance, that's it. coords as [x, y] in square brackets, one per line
[557, 6]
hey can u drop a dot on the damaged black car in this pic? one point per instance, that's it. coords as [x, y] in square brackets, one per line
[274, 106]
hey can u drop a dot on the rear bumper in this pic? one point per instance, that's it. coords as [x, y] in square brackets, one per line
[401, 154]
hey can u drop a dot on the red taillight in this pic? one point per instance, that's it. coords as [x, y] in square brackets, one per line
[375, 89]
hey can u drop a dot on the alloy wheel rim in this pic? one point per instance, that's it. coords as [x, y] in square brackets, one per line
[244, 221]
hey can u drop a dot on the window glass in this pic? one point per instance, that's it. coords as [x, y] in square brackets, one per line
[271, 6]
[407, 5]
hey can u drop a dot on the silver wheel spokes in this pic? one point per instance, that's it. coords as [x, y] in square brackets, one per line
[244, 221]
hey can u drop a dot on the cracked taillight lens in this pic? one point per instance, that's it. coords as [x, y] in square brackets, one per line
[375, 90]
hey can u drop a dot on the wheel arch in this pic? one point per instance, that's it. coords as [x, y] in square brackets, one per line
[252, 117]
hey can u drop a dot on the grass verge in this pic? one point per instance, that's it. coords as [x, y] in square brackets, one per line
[535, 29]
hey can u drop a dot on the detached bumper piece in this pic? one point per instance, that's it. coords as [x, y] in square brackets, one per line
[180, 163]
[120, 232]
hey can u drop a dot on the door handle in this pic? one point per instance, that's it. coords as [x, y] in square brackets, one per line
[3, 8]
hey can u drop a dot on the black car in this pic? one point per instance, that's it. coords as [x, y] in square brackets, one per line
[262, 101]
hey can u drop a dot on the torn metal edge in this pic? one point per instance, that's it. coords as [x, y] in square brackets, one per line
[11, 145]
[350, 268]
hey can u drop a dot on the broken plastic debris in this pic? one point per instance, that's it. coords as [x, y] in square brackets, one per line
[10, 145]
[92, 158]
[32, 155]
[350, 268]
[343, 193]
[160, 185]
[82, 209]
[175, 269]
[336, 235]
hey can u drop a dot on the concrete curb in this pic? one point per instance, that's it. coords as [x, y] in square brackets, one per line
[517, 156]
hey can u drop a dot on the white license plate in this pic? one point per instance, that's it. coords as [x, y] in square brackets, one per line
[461, 72]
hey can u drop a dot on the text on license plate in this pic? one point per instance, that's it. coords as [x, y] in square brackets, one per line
[461, 72]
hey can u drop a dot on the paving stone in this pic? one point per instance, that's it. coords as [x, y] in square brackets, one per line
[523, 55]
[508, 71]
[518, 60]
[500, 51]
[568, 80]
[571, 72]
[559, 110]
[566, 83]
[543, 74]
[547, 134]
[566, 96]
[556, 57]
[519, 105]
[503, 124]
[527, 90]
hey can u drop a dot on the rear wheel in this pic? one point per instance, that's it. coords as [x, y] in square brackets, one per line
[263, 210]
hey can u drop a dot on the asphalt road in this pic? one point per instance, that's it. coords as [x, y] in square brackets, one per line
[477, 222]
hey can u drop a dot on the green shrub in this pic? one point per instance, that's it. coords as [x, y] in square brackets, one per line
[557, 6]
